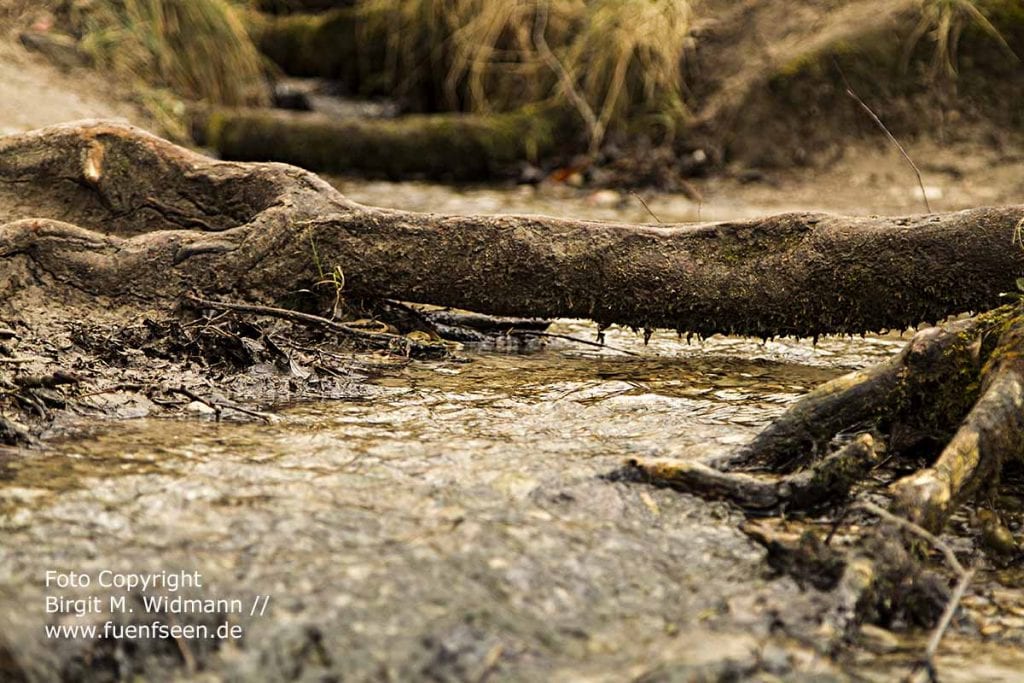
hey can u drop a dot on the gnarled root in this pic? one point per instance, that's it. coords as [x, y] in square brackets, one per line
[990, 435]
[961, 384]
[826, 480]
[967, 371]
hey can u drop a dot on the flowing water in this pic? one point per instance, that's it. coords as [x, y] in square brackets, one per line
[453, 521]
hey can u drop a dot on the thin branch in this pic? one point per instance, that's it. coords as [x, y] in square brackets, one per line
[587, 342]
[917, 530]
[892, 138]
[644, 204]
[947, 617]
[964, 580]
[216, 405]
[296, 316]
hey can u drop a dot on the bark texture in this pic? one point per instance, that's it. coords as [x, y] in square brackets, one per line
[106, 210]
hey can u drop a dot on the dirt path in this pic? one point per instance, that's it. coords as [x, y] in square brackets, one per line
[34, 93]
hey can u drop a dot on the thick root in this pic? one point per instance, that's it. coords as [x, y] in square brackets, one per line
[935, 357]
[961, 384]
[827, 480]
[968, 373]
[991, 434]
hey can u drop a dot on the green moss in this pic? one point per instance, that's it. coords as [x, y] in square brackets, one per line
[214, 129]
[313, 45]
[449, 146]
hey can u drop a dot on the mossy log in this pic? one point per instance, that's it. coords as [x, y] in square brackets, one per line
[445, 146]
[109, 210]
[316, 45]
[292, 6]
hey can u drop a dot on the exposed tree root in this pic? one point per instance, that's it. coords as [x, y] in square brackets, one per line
[830, 479]
[105, 216]
[105, 210]
[965, 373]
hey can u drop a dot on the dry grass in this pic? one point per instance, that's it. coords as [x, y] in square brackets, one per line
[622, 58]
[943, 21]
[198, 49]
[629, 56]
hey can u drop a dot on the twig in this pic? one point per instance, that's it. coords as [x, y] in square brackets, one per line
[196, 397]
[917, 530]
[947, 616]
[266, 417]
[183, 647]
[379, 338]
[120, 386]
[600, 345]
[644, 204]
[836, 523]
[964, 580]
[218, 405]
[892, 138]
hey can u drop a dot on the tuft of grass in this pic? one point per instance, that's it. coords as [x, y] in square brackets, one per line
[944, 21]
[628, 57]
[413, 35]
[198, 49]
[618, 58]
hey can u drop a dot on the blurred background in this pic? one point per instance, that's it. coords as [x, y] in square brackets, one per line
[698, 108]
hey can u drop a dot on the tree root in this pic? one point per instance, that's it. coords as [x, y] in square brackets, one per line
[960, 383]
[105, 217]
[105, 211]
[967, 370]
[829, 479]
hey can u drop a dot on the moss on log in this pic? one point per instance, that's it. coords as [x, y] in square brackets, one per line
[444, 146]
[318, 45]
[292, 6]
[109, 209]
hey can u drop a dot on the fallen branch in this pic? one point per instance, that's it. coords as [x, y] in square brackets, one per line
[798, 274]
[380, 340]
[217, 405]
